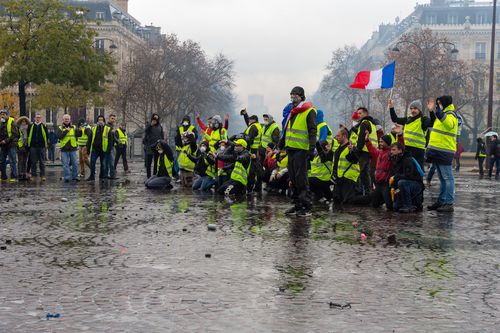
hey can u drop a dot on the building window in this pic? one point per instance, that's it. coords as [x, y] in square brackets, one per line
[100, 16]
[431, 19]
[480, 19]
[99, 45]
[97, 112]
[452, 19]
[480, 51]
[50, 116]
[497, 76]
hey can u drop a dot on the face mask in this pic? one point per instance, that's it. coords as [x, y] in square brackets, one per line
[160, 151]
[355, 123]
[215, 124]
[222, 148]
[185, 123]
[238, 149]
[295, 99]
[203, 149]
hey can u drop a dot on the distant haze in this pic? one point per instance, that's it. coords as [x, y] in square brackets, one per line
[276, 44]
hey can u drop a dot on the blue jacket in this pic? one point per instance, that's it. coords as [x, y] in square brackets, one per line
[286, 113]
[323, 133]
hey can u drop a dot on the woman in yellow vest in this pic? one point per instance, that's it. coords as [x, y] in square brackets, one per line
[162, 179]
[22, 148]
[320, 174]
[204, 168]
[415, 129]
[186, 166]
[67, 135]
[241, 161]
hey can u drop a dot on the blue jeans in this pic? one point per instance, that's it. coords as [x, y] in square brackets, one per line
[69, 160]
[13, 162]
[93, 160]
[431, 172]
[109, 159]
[203, 183]
[409, 194]
[447, 188]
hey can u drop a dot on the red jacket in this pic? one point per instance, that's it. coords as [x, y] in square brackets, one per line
[383, 157]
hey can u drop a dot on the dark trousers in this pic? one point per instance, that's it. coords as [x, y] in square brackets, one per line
[151, 158]
[418, 154]
[364, 176]
[94, 155]
[494, 161]
[381, 195]
[121, 152]
[345, 193]
[409, 195]
[321, 188]
[232, 187]
[297, 171]
[37, 156]
[4, 153]
[480, 161]
[52, 152]
[22, 163]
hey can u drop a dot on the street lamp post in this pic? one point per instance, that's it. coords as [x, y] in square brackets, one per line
[424, 60]
[492, 66]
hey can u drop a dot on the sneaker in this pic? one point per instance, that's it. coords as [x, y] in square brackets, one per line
[434, 206]
[304, 213]
[291, 211]
[44, 179]
[446, 208]
[13, 180]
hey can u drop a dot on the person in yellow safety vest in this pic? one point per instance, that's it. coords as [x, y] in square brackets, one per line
[121, 144]
[299, 140]
[216, 132]
[415, 129]
[279, 177]
[253, 136]
[480, 155]
[162, 179]
[9, 135]
[441, 149]
[270, 134]
[23, 124]
[186, 166]
[98, 145]
[346, 172]
[38, 143]
[241, 160]
[185, 127]
[320, 175]
[204, 169]
[396, 132]
[83, 140]
[366, 123]
[68, 134]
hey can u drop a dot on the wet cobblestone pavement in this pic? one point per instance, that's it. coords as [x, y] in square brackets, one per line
[115, 257]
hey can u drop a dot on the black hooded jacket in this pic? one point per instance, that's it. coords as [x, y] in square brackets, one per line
[178, 138]
[152, 135]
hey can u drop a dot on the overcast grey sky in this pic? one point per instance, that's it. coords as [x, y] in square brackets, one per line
[276, 44]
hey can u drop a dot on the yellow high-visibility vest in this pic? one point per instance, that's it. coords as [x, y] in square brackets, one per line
[267, 135]
[444, 132]
[256, 140]
[69, 137]
[414, 135]
[297, 134]
[346, 169]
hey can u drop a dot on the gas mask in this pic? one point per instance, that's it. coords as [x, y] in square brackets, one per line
[160, 151]
[295, 99]
[203, 149]
[185, 123]
[215, 124]
[222, 148]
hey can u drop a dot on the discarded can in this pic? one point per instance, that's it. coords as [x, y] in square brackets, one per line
[212, 227]
[53, 315]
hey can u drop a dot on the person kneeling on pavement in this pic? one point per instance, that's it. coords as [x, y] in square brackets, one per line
[204, 168]
[186, 165]
[279, 179]
[163, 177]
[320, 174]
[406, 180]
[241, 159]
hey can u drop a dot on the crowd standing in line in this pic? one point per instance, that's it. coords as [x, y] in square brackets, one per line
[303, 158]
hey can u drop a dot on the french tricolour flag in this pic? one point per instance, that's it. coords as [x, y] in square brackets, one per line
[378, 79]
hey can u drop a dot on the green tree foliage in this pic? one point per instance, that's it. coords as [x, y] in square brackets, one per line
[48, 41]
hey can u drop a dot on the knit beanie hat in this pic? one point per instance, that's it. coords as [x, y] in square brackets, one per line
[299, 91]
[387, 139]
[416, 104]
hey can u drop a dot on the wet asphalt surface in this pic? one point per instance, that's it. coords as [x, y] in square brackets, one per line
[115, 257]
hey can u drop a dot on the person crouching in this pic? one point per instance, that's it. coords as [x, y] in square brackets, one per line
[163, 177]
[241, 159]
